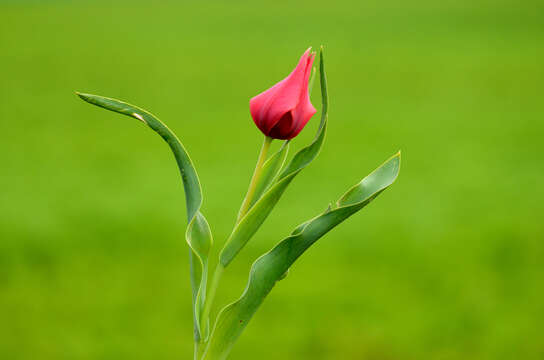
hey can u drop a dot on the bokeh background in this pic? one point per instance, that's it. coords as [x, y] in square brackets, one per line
[447, 264]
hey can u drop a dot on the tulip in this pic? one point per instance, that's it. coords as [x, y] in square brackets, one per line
[282, 111]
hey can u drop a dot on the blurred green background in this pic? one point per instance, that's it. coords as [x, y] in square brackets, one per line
[447, 264]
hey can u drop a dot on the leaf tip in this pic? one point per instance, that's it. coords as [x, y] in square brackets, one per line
[396, 165]
[397, 156]
[83, 96]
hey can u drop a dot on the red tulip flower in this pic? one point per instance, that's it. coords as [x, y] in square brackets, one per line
[282, 111]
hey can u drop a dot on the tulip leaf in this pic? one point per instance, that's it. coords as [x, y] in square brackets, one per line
[272, 266]
[270, 171]
[254, 218]
[198, 234]
[312, 79]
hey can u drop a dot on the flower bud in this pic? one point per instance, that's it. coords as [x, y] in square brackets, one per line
[282, 111]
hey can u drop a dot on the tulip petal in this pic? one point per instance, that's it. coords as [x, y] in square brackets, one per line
[302, 116]
[284, 126]
[273, 105]
[304, 110]
[258, 103]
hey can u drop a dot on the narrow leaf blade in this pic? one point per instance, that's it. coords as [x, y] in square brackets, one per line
[270, 171]
[198, 234]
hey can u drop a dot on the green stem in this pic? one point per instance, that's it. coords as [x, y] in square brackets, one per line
[198, 350]
[214, 284]
[254, 179]
[211, 295]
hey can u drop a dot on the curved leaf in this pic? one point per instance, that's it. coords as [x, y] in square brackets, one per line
[271, 267]
[198, 234]
[250, 223]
